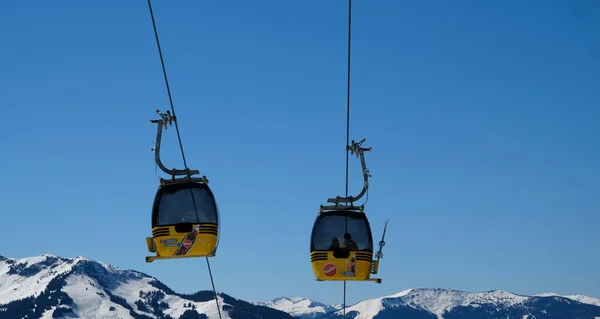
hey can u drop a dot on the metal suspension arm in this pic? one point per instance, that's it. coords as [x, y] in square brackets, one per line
[356, 149]
[165, 121]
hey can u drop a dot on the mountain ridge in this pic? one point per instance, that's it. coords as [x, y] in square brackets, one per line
[299, 307]
[439, 303]
[49, 286]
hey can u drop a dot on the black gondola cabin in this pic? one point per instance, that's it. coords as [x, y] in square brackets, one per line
[185, 221]
[341, 246]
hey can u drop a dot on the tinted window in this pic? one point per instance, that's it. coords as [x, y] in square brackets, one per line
[329, 227]
[178, 207]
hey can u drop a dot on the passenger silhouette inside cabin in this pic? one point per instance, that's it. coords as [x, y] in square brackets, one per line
[335, 243]
[349, 243]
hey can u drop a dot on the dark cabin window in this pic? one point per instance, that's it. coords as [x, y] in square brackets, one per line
[178, 207]
[329, 227]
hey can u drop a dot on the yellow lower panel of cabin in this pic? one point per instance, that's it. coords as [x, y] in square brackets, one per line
[356, 267]
[168, 243]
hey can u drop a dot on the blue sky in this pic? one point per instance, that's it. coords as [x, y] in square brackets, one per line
[483, 118]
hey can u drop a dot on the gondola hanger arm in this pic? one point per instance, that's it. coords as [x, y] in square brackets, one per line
[166, 120]
[356, 149]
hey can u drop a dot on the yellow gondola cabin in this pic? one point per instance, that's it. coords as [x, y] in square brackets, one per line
[341, 245]
[185, 222]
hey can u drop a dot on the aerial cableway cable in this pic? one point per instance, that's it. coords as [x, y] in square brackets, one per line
[164, 69]
[179, 135]
[350, 260]
[348, 122]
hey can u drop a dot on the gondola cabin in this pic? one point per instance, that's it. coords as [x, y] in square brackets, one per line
[341, 246]
[185, 221]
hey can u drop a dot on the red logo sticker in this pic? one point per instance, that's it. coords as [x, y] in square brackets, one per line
[329, 270]
[187, 243]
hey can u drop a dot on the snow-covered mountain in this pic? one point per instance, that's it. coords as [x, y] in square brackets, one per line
[48, 286]
[300, 307]
[453, 304]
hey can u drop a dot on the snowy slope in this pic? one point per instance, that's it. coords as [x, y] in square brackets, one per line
[371, 307]
[435, 301]
[300, 307]
[438, 303]
[48, 286]
[580, 298]
[29, 276]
